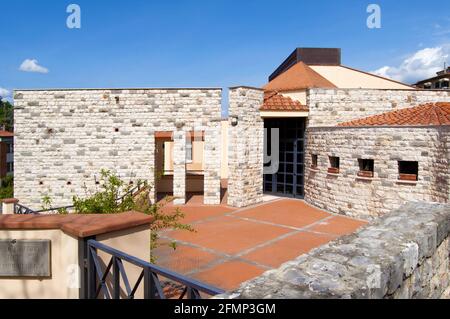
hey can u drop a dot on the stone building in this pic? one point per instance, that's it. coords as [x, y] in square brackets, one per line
[65, 137]
[370, 166]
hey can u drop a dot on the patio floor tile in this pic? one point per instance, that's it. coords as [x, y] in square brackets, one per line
[193, 214]
[230, 235]
[338, 225]
[289, 248]
[230, 247]
[184, 258]
[229, 275]
[287, 212]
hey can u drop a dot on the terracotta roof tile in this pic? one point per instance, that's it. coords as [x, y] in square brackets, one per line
[427, 115]
[298, 77]
[273, 101]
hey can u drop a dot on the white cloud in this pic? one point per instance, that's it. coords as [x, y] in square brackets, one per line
[421, 65]
[4, 92]
[32, 65]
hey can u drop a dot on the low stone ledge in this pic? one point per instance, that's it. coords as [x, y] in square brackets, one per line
[404, 254]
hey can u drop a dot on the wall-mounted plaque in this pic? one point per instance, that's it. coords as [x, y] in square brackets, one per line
[25, 258]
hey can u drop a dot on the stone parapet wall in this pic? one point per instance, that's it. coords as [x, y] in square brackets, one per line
[245, 147]
[404, 254]
[346, 193]
[63, 138]
[328, 107]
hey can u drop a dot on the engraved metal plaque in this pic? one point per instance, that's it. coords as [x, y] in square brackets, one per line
[25, 258]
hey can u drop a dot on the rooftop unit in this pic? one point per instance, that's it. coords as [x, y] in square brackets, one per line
[309, 56]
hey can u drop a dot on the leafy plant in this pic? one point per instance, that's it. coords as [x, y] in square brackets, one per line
[6, 115]
[7, 187]
[108, 199]
[115, 196]
[47, 205]
[46, 202]
[164, 220]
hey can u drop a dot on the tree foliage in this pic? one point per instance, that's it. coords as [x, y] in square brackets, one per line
[6, 115]
[7, 187]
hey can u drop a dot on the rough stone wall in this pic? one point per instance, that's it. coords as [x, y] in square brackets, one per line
[64, 137]
[179, 167]
[328, 107]
[212, 151]
[245, 142]
[348, 194]
[404, 254]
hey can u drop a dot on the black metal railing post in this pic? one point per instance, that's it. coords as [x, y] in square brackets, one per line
[147, 283]
[91, 275]
[116, 278]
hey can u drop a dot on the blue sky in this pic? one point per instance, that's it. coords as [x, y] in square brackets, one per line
[196, 43]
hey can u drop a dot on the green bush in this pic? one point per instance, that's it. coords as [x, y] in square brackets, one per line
[104, 201]
[7, 187]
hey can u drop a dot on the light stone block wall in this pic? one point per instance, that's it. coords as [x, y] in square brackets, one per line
[328, 107]
[403, 255]
[245, 147]
[179, 167]
[368, 198]
[68, 136]
[213, 167]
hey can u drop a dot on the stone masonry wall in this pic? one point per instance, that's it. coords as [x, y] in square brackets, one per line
[328, 107]
[348, 194]
[212, 151]
[63, 138]
[245, 142]
[403, 255]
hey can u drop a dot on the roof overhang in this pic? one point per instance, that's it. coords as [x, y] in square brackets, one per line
[283, 114]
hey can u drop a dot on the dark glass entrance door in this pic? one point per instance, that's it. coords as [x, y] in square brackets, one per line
[289, 180]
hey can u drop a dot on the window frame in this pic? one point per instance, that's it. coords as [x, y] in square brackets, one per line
[335, 164]
[314, 161]
[411, 175]
[363, 164]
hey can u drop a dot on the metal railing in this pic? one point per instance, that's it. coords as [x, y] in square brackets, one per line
[101, 283]
[23, 210]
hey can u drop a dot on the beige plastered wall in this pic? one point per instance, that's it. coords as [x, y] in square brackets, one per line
[134, 242]
[65, 273]
[299, 96]
[64, 259]
[345, 78]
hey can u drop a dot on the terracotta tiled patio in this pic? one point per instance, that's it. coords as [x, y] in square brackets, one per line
[232, 246]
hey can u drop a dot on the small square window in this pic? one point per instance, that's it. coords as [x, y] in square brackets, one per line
[334, 165]
[314, 161]
[408, 170]
[366, 167]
